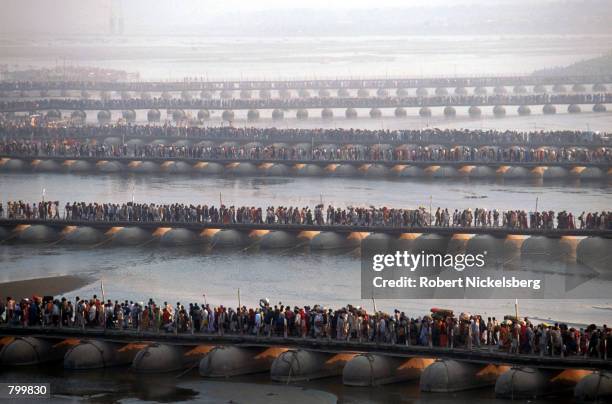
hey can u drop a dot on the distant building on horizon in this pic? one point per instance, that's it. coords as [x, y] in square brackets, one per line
[116, 17]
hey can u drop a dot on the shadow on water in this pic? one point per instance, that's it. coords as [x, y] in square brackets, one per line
[102, 386]
[120, 384]
[404, 392]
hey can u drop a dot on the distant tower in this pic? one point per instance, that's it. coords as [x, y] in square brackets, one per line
[116, 17]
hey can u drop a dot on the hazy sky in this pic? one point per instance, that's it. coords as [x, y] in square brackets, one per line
[337, 4]
[93, 16]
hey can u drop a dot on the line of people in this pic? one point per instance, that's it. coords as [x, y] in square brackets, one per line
[314, 102]
[79, 79]
[440, 328]
[318, 215]
[20, 128]
[58, 77]
[74, 149]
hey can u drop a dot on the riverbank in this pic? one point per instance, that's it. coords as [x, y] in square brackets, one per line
[53, 285]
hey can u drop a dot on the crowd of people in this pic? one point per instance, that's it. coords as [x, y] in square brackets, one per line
[71, 148]
[20, 128]
[440, 328]
[55, 78]
[313, 102]
[80, 82]
[317, 216]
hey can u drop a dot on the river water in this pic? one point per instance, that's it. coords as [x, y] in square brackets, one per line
[127, 386]
[295, 277]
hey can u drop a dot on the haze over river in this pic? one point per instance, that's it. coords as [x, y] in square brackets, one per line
[164, 57]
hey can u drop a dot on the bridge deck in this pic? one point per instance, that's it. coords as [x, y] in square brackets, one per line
[348, 82]
[310, 103]
[479, 355]
[296, 228]
[311, 140]
[387, 163]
